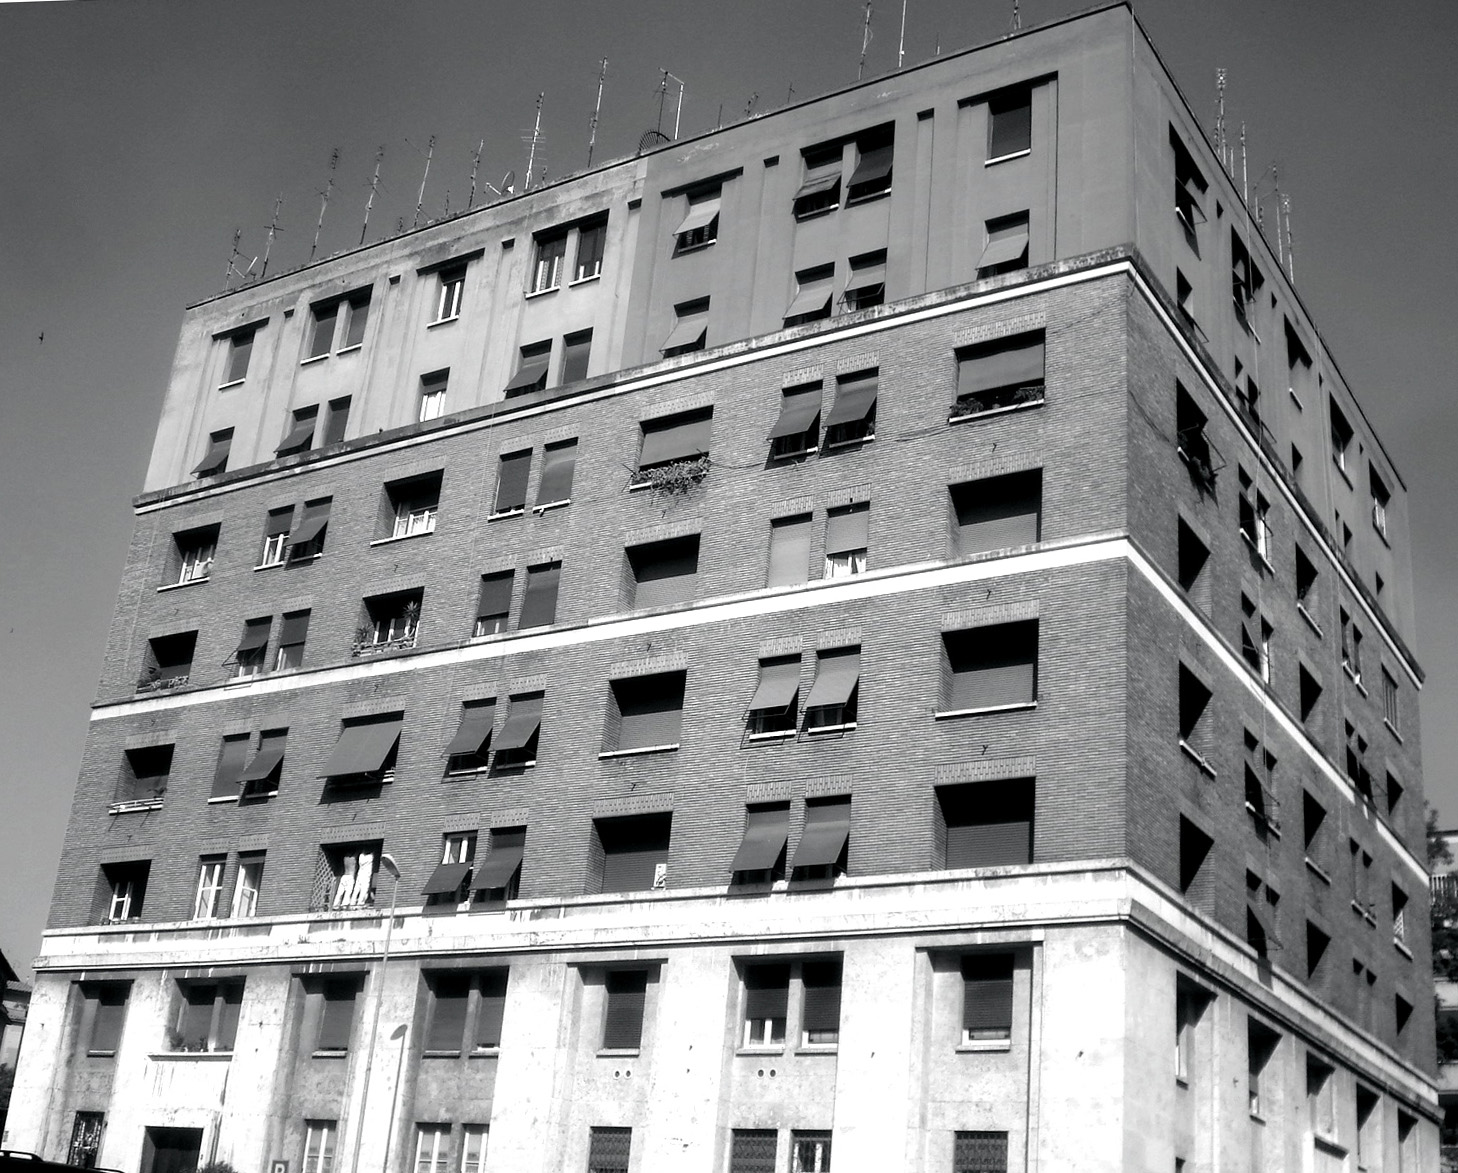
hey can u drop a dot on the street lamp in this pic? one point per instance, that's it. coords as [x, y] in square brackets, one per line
[388, 863]
[398, 1033]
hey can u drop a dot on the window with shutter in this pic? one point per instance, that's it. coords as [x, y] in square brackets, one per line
[645, 713]
[766, 1005]
[997, 513]
[591, 243]
[797, 430]
[634, 851]
[871, 177]
[987, 997]
[559, 462]
[450, 998]
[1009, 124]
[773, 710]
[990, 668]
[820, 1019]
[499, 874]
[531, 369]
[852, 418]
[979, 1152]
[307, 540]
[789, 552]
[987, 824]
[761, 853]
[301, 431]
[831, 706]
[511, 483]
[663, 574]
[232, 757]
[1005, 248]
[608, 1150]
[539, 603]
[813, 289]
[516, 744]
[626, 993]
[999, 375]
[292, 635]
[106, 1003]
[847, 538]
[809, 1152]
[673, 438]
[336, 997]
[470, 747]
[491, 1010]
[753, 1150]
[493, 604]
[576, 350]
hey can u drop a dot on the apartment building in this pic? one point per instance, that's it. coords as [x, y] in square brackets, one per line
[878, 637]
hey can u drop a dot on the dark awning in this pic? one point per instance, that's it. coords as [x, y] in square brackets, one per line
[278, 522]
[498, 867]
[216, 457]
[765, 832]
[264, 762]
[826, 829]
[700, 215]
[362, 749]
[294, 629]
[511, 481]
[676, 441]
[558, 464]
[797, 412]
[854, 399]
[821, 179]
[1004, 246]
[1012, 362]
[812, 298]
[315, 518]
[835, 680]
[255, 635]
[531, 374]
[447, 877]
[688, 330]
[848, 530]
[522, 721]
[865, 276]
[474, 730]
[873, 165]
[779, 681]
[299, 436]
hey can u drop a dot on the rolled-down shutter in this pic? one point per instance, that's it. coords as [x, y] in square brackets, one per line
[847, 530]
[294, 629]
[836, 676]
[855, 396]
[523, 718]
[1016, 361]
[765, 832]
[827, 827]
[650, 710]
[559, 462]
[539, 604]
[450, 1000]
[501, 863]
[999, 513]
[492, 1009]
[798, 410]
[311, 525]
[676, 438]
[822, 995]
[495, 597]
[511, 481]
[987, 993]
[993, 666]
[362, 749]
[766, 992]
[789, 555]
[627, 994]
[474, 729]
[231, 760]
[633, 847]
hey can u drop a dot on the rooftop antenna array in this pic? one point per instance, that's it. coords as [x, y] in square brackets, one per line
[1220, 144]
[233, 270]
[420, 199]
[1017, 21]
[1284, 208]
[662, 95]
[273, 230]
[596, 111]
[1244, 172]
[535, 139]
[374, 187]
[324, 202]
[865, 43]
[475, 167]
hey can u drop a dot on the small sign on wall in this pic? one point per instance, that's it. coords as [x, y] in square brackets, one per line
[278, 1167]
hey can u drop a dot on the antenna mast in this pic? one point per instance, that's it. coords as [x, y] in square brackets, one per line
[1280, 200]
[1017, 18]
[536, 136]
[865, 43]
[475, 167]
[1285, 206]
[420, 199]
[596, 110]
[1220, 145]
[901, 45]
[232, 260]
[324, 203]
[374, 186]
[1244, 173]
[272, 232]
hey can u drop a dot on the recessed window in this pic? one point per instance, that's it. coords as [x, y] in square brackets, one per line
[630, 853]
[292, 635]
[337, 421]
[789, 552]
[1255, 638]
[551, 253]
[433, 395]
[1261, 902]
[1005, 246]
[357, 316]
[773, 709]
[531, 369]
[123, 890]
[260, 777]
[320, 1137]
[1189, 191]
[105, 1004]
[1245, 284]
[512, 472]
[1260, 1044]
[1253, 511]
[1341, 437]
[469, 748]
[690, 328]
[207, 1016]
[852, 418]
[215, 459]
[1190, 1004]
[1193, 555]
[365, 751]
[797, 430]
[302, 425]
[539, 601]
[1009, 123]
[345, 877]
[1399, 915]
[663, 574]
[493, 605]
[1305, 584]
[608, 1150]
[824, 847]
[871, 177]
[766, 1005]
[240, 350]
[1194, 700]
[1185, 302]
[1356, 761]
[195, 551]
[498, 875]
[576, 350]
[813, 289]
[996, 513]
[144, 775]
[831, 706]
[335, 999]
[250, 657]
[1316, 944]
[986, 824]
[559, 464]
[432, 1148]
[1195, 876]
[979, 1152]
[809, 1151]
[389, 622]
[847, 538]
[1192, 443]
[232, 757]
[819, 190]
[998, 375]
[992, 667]
[644, 713]
[865, 288]
[761, 853]
[1310, 693]
[450, 284]
[753, 1150]
[591, 244]
[1389, 699]
[410, 506]
[306, 541]
[448, 885]
[168, 662]
[987, 997]
[324, 316]
[516, 744]
[625, 999]
[276, 535]
[674, 439]
[1351, 644]
[1381, 497]
[700, 226]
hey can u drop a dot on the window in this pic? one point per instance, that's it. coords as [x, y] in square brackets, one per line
[1399, 916]
[847, 536]
[1341, 437]
[789, 552]
[1310, 693]
[1260, 797]
[240, 350]
[1009, 124]
[144, 775]
[753, 1150]
[1255, 639]
[451, 282]
[812, 297]
[986, 824]
[992, 667]
[207, 1016]
[324, 317]
[513, 470]
[432, 395]
[473, 1148]
[1402, 1012]
[824, 843]
[390, 622]
[576, 350]
[123, 889]
[700, 226]
[819, 190]
[631, 852]
[306, 541]
[1351, 640]
[608, 1149]
[498, 877]
[871, 177]
[250, 655]
[1394, 793]
[432, 1145]
[766, 1002]
[319, 1141]
[247, 885]
[105, 1004]
[1321, 1097]
[1249, 401]
[1185, 302]
[338, 420]
[1313, 819]
[1192, 443]
[644, 713]
[831, 705]
[336, 1005]
[551, 253]
[357, 316]
[448, 885]
[979, 1152]
[516, 744]
[673, 439]
[559, 463]
[662, 574]
[852, 418]
[539, 602]
[86, 1132]
[1254, 511]
[467, 750]
[865, 288]
[195, 552]
[1306, 587]
[365, 750]
[1193, 556]
[232, 758]
[531, 369]
[300, 436]
[466, 1011]
[1369, 1128]
[208, 901]
[625, 998]
[1261, 902]
[493, 605]
[773, 709]
[1362, 902]
[1189, 191]
[809, 1152]
[1190, 1003]
[996, 513]
[1381, 497]
[345, 876]
[276, 535]
[1316, 943]
[987, 998]
[999, 375]
[1194, 698]
[1195, 877]
[1005, 246]
[1261, 1043]
[761, 854]
[1356, 760]
[292, 634]
[690, 328]
[215, 459]
[591, 243]
[820, 1009]
[1389, 699]
[411, 506]
[1245, 283]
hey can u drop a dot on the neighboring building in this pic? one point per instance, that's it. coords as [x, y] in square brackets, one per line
[1445, 973]
[14, 1002]
[876, 637]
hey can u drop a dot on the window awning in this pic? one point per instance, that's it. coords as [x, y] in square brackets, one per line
[848, 530]
[873, 165]
[230, 767]
[278, 522]
[821, 179]
[700, 215]
[812, 298]
[255, 635]
[298, 438]
[311, 525]
[495, 594]
[765, 832]
[264, 763]
[498, 867]
[835, 679]
[689, 330]
[362, 749]
[531, 374]
[522, 721]
[827, 827]
[865, 276]
[216, 458]
[797, 412]
[557, 467]
[676, 441]
[779, 681]
[474, 730]
[511, 481]
[854, 399]
[1004, 245]
[1013, 362]
[294, 629]
[447, 877]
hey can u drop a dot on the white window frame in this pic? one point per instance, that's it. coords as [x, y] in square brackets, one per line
[273, 549]
[845, 564]
[432, 1148]
[473, 1147]
[197, 562]
[547, 270]
[246, 887]
[819, 1162]
[410, 521]
[284, 657]
[763, 1032]
[448, 298]
[319, 1142]
[432, 403]
[122, 891]
[208, 900]
[459, 847]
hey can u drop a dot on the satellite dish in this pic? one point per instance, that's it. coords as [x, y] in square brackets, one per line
[651, 139]
[508, 185]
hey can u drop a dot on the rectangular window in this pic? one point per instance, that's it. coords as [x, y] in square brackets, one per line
[761, 854]
[820, 1009]
[1193, 557]
[338, 421]
[625, 998]
[1189, 191]
[753, 1150]
[1306, 586]
[498, 877]
[276, 535]
[773, 709]
[208, 899]
[1185, 302]
[86, 1132]
[809, 1152]
[1255, 638]
[512, 473]
[852, 418]
[433, 395]
[249, 658]
[1009, 123]
[451, 283]
[987, 997]
[516, 744]
[674, 438]
[865, 288]
[106, 1003]
[240, 350]
[337, 998]
[411, 506]
[1341, 437]
[1261, 1044]
[319, 1141]
[390, 622]
[1194, 699]
[690, 328]
[448, 885]
[1192, 443]
[432, 1148]
[365, 750]
[789, 552]
[551, 252]
[979, 1152]
[1389, 699]
[306, 540]
[207, 1016]
[292, 634]
[1313, 818]
[1005, 246]
[608, 1150]
[493, 604]
[559, 464]
[469, 747]
[591, 244]
[1254, 513]
[819, 190]
[824, 847]
[847, 538]
[700, 226]
[302, 424]
[1356, 760]
[357, 308]
[811, 303]
[997, 513]
[1351, 643]
[1245, 283]
[999, 375]
[195, 552]
[986, 824]
[123, 889]
[1321, 1098]
[1195, 877]
[1381, 497]
[1310, 693]
[1190, 1003]
[144, 775]
[1399, 915]
[990, 667]
[1316, 943]
[232, 757]
[766, 1005]
[248, 884]
[663, 574]
[539, 602]
[871, 177]
[325, 316]
[576, 350]
[631, 852]
[644, 713]
[832, 704]
[450, 1001]
[215, 459]
[531, 369]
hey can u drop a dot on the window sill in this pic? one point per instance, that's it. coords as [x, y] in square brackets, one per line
[815, 214]
[761, 1050]
[485, 1053]
[1015, 707]
[1310, 622]
[1392, 729]
[1255, 550]
[619, 1052]
[1318, 871]
[1355, 679]
[1197, 757]
[869, 198]
[772, 735]
[101, 1054]
[350, 349]
[538, 510]
[1296, 399]
[1272, 828]
[443, 321]
[244, 678]
[782, 457]
[821, 730]
[1341, 468]
[425, 533]
[269, 565]
[586, 280]
[1361, 911]
[856, 443]
[440, 1054]
[234, 383]
[991, 411]
[541, 292]
[502, 514]
[1401, 948]
[1026, 151]
[177, 586]
[471, 772]
[973, 1046]
[223, 798]
[195, 1056]
[329, 1055]
[682, 250]
[631, 753]
[135, 805]
[314, 358]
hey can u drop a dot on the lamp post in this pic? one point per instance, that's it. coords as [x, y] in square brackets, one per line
[388, 863]
[398, 1033]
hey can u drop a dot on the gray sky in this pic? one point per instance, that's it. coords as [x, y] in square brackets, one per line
[136, 136]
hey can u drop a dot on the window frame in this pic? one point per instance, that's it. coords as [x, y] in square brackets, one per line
[450, 288]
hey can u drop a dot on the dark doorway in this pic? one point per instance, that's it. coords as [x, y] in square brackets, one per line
[171, 1150]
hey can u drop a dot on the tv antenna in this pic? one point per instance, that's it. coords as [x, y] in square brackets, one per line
[901, 45]
[273, 230]
[324, 202]
[865, 42]
[1285, 208]
[749, 105]
[1244, 172]
[374, 187]
[1017, 19]
[596, 110]
[1220, 140]
[535, 139]
[475, 167]
[233, 270]
[507, 186]
[662, 95]
[420, 199]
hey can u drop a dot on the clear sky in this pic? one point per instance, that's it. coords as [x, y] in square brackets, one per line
[135, 137]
